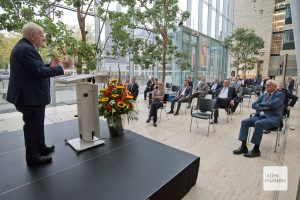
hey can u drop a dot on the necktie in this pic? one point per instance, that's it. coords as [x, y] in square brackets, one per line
[268, 97]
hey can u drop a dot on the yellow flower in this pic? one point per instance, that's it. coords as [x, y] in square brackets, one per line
[114, 95]
[129, 97]
[121, 104]
[113, 80]
[120, 87]
[104, 99]
[127, 91]
[103, 90]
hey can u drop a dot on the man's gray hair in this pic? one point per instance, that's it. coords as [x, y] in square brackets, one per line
[271, 81]
[30, 28]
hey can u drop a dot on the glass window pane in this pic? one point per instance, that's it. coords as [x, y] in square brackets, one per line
[204, 17]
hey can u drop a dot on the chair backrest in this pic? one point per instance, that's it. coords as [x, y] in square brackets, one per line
[175, 88]
[168, 85]
[166, 96]
[247, 91]
[206, 104]
[254, 88]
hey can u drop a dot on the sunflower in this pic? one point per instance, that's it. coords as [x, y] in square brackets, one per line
[120, 87]
[121, 104]
[129, 97]
[104, 99]
[103, 90]
[113, 80]
[114, 95]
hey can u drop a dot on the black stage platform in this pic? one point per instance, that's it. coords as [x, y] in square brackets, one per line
[130, 167]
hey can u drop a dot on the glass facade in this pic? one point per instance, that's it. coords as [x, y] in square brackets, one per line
[288, 40]
[288, 15]
[208, 57]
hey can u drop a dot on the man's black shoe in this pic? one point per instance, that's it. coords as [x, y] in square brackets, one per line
[47, 150]
[176, 113]
[188, 107]
[170, 112]
[266, 131]
[252, 154]
[240, 150]
[148, 120]
[154, 124]
[40, 160]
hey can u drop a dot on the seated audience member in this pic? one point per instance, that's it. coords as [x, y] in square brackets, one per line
[225, 97]
[239, 93]
[199, 91]
[155, 86]
[268, 115]
[214, 87]
[289, 84]
[289, 99]
[182, 95]
[133, 88]
[149, 87]
[157, 102]
[190, 81]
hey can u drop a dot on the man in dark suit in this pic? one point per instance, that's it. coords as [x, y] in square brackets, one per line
[29, 90]
[214, 87]
[225, 97]
[133, 88]
[290, 84]
[149, 87]
[268, 115]
[182, 95]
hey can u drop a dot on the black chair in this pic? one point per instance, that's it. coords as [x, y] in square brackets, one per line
[168, 87]
[247, 95]
[276, 129]
[175, 88]
[165, 100]
[205, 110]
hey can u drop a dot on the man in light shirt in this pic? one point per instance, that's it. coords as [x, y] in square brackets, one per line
[182, 95]
[225, 97]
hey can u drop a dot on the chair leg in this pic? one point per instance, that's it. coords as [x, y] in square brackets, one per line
[166, 113]
[276, 141]
[249, 134]
[208, 128]
[191, 124]
[160, 115]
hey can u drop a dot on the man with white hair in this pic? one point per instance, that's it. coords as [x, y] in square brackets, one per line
[268, 115]
[29, 90]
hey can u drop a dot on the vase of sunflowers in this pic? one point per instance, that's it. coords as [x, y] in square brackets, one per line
[115, 101]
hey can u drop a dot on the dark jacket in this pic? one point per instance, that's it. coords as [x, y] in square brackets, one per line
[272, 108]
[231, 93]
[29, 82]
[133, 89]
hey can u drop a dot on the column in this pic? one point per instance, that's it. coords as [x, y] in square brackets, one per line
[209, 18]
[217, 20]
[189, 8]
[224, 19]
[97, 34]
[295, 7]
[200, 17]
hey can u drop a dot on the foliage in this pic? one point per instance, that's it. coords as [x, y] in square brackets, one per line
[7, 42]
[114, 100]
[158, 18]
[244, 46]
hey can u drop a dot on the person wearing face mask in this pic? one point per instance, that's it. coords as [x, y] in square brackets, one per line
[29, 90]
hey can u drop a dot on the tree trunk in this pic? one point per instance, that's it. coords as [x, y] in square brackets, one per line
[164, 58]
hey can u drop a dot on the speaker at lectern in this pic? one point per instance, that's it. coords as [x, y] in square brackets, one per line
[88, 118]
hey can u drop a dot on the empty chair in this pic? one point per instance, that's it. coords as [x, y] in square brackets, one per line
[205, 110]
[247, 95]
[168, 87]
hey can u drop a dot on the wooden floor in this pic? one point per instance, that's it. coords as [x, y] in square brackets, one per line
[222, 175]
